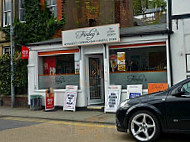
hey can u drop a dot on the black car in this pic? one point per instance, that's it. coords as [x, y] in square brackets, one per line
[149, 115]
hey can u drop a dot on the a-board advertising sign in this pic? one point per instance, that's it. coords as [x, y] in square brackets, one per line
[156, 87]
[134, 91]
[113, 98]
[49, 100]
[70, 98]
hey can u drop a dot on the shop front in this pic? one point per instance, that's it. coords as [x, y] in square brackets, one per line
[93, 63]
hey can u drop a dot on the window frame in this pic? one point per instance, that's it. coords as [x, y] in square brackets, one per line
[51, 6]
[21, 9]
[6, 47]
[5, 13]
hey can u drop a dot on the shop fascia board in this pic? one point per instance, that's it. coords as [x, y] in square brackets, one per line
[143, 39]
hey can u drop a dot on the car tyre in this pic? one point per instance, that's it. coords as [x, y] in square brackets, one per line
[144, 126]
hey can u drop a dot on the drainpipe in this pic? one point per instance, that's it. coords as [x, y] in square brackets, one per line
[169, 37]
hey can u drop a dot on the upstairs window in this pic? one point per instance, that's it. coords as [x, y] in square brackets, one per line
[6, 12]
[52, 5]
[6, 50]
[21, 11]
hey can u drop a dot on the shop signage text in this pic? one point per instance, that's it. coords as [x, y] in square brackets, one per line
[93, 35]
[113, 98]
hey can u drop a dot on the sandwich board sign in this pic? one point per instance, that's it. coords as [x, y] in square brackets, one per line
[70, 98]
[134, 91]
[113, 98]
[49, 100]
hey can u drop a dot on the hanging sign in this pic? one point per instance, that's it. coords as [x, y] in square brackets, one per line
[70, 98]
[24, 52]
[113, 98]
[49, 99]
[134, 91]
[156, 87]
[91, 35]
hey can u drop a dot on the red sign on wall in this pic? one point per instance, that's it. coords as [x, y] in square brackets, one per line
[24, 52]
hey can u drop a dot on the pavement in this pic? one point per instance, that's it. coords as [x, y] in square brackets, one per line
[60, 115]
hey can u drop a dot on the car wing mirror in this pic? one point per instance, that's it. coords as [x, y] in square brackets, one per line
[179, 93]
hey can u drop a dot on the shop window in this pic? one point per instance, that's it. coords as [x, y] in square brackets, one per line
[129, 66]
[58, 71]
[6, 12]
[52, 5]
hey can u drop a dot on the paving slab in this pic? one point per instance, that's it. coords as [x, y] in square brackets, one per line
[80, 116]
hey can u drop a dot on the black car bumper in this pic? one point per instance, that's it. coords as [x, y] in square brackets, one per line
[120, 127]
[120, 120]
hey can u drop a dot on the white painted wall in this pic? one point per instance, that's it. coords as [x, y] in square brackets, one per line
[180, 7]
[180, 39]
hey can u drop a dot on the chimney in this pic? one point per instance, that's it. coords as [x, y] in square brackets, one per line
[124, 13]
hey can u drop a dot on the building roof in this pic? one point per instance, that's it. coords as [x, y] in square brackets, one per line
[144, 30]
[124, 32]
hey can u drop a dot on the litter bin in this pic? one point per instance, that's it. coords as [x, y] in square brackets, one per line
[35, 102]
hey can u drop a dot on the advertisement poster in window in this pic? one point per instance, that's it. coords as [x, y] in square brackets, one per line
[50, 65]
[121, 61]
[113, 62]
[188, 62]
[49, 100]
[113, 98]
[134, 91]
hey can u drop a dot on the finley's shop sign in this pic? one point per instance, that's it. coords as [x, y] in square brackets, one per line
[92, 35]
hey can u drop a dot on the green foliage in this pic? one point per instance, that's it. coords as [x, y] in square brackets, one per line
[39, 25]
[20, 74]
[148, 4]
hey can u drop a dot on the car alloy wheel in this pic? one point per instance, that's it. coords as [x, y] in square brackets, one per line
[144, 126]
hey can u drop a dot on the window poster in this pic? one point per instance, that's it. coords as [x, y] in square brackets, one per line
[113, 98]
[121, 61]
[50, 65]
[113, 62]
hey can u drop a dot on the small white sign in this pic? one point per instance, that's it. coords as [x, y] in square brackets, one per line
[113, 98]
[70, 98]
[91, 35]
[134, 91]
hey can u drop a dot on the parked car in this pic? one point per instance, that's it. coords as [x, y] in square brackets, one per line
[148, 115]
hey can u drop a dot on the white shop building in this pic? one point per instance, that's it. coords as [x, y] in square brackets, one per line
[98, 57]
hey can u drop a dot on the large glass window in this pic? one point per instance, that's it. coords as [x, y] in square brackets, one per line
[21, 11]
[52, 5]
[6, 12]
[129, 66]
[58, 71]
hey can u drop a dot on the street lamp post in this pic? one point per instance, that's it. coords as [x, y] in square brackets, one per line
[12, 53]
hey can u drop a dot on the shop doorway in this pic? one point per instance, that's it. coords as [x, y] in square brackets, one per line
[95, 76]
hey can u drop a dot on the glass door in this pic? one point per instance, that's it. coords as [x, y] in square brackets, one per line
[96, 79]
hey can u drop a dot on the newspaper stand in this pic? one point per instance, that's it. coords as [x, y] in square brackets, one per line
[113, 98]
[49, 100]
[134, 91]
[70, 98]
